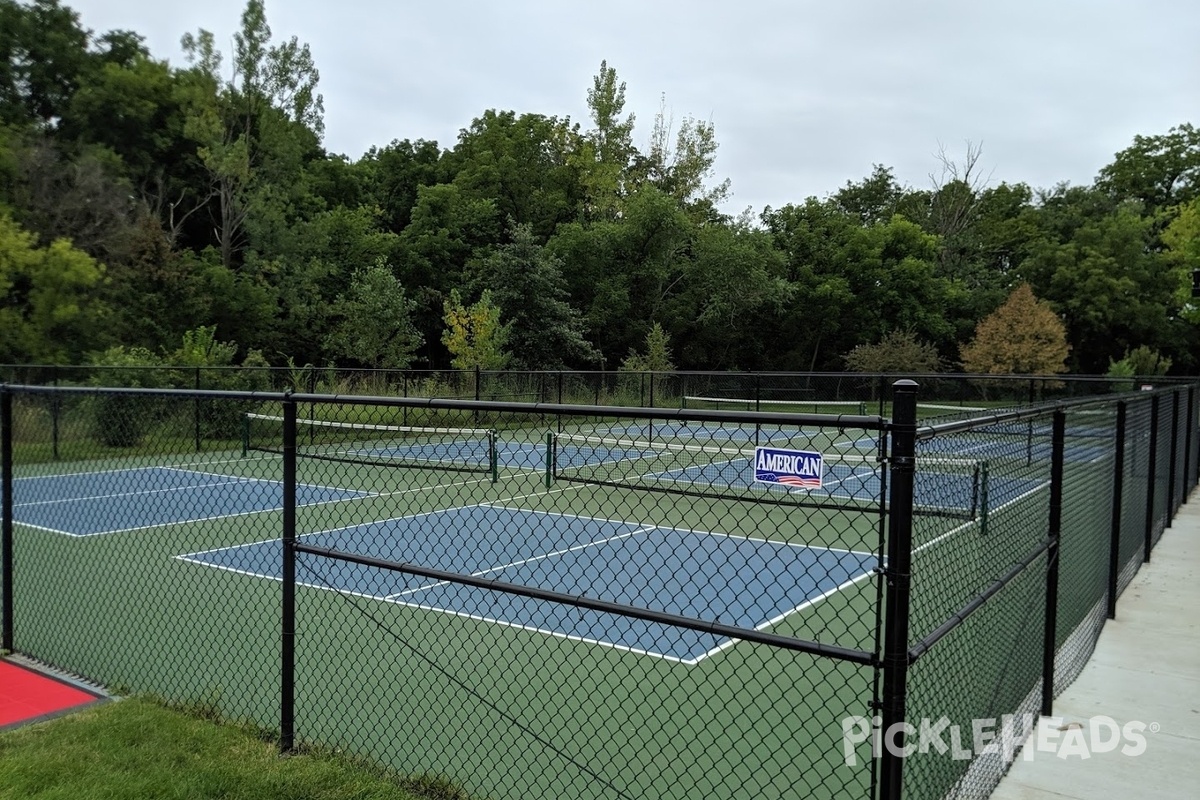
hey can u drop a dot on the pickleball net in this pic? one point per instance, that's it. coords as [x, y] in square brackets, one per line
[374, 444]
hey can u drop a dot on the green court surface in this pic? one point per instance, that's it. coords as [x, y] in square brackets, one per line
[519, 700]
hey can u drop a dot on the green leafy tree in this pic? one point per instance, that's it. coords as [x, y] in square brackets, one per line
[657, 357]
[393, 174]
[622, 273]
[473, 334]
[1023, 336]
[1098, 264]
[120, 421]
[49, 312]
[1144, 361]
[607, 150]
[314, 268]
[876, 198]
[373, 321]
[1159, 171]
[43, 53]
[1139, 362]
[681, 168]
[247, 125]
[527, 284]
[897, 351]
[728, 293]
[521, 164]
[201, 354]
[852, 284]
[1182, 239]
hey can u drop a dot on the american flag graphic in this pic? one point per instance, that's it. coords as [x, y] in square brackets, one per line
[799, 469]
[794, 480]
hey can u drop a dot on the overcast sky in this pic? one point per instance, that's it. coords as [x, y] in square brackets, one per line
[805, 95]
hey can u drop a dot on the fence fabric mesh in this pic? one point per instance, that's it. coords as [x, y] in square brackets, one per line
[525, 597]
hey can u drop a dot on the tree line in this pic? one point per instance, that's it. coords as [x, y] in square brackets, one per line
[144, 205]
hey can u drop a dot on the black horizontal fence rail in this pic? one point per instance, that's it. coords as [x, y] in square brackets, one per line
[617, 604]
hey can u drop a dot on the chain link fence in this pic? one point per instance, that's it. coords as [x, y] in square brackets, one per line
[519, 597]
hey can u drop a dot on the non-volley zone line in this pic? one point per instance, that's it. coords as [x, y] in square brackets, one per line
[736, 580]
[122, 500]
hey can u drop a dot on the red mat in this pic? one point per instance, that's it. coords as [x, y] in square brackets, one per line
[26, 695]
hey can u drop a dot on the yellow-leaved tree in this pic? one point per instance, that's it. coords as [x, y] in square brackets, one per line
[1022, 337]
[473, 334]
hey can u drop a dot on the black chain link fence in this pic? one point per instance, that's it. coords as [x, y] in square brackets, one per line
[526, 598]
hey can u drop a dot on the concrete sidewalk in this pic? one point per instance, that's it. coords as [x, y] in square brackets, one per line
[1146, 668]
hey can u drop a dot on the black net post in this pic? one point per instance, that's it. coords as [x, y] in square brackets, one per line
[478, 393]
[6, 533]
[1057, 448]
[404, 390]
[287, 682]
[897, 573]
[1151, 478]
[1114, 540]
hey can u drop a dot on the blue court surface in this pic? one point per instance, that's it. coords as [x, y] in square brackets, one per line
[750, 583]
[94, 503]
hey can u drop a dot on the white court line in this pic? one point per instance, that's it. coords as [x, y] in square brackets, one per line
[184, 466]
[777, 619]
[163, 490]
[532, 559]
[326, 530]
[697, 531]
[234, 480]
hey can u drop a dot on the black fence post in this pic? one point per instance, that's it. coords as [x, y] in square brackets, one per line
[197, 410]
[6, 527]
[1151, 479]
[54, 411]
[1189, 425]
[1173, 469]
[1050, 630]
[897, 573]
[1114, 538]
[287, 682]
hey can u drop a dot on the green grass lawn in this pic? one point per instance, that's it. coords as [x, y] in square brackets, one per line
[137, 748]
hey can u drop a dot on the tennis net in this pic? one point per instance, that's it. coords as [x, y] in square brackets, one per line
[954, 487]
[453, 449]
